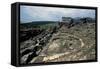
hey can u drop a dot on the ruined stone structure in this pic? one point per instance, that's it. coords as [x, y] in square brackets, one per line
[38, 42]
[66, 21]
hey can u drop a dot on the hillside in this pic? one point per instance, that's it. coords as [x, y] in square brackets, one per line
[74, 44]
[37, 23]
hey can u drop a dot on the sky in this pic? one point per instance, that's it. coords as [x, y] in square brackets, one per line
[34, 13]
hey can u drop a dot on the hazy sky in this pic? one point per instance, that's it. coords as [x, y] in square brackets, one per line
[34, 13]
